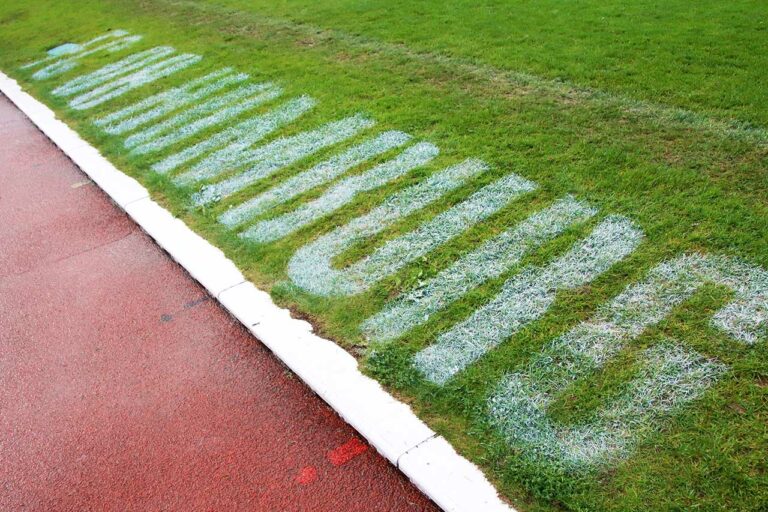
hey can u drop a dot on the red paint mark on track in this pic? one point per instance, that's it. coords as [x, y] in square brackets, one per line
[347, 451]
[307, 475]
[103, 406]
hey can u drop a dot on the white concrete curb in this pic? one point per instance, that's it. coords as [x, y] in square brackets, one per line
[450, 480]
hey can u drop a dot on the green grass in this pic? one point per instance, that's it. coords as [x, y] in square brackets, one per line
[656, 111]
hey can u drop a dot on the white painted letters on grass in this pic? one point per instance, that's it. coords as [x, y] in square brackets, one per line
[491, 260]
[397, 253]
[310, 268]
[122, 85]
[145, 111]
[342, 193]
[525, 298]
[238, 138]
[116, 79]
[318, 175]
[189, 122]
[131, 63]
[671, 376]
[274, 156]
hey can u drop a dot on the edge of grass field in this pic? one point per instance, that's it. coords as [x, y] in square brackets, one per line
[428, 460]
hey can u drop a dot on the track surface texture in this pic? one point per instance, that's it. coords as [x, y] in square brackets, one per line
[123, 386]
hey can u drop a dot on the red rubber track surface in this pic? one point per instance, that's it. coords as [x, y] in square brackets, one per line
[123, 386]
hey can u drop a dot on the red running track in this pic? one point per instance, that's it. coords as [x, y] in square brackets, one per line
[123, 386]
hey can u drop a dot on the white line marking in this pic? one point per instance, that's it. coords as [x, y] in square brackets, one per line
[106, 73]
[314, 259]
[342, 193]
[397, 253]
[492, 259]
[280, 153]
[122, 85]
[669, 377]
[525, 298]
[191, 121]
[239, 138]
[163, 103]
[312, 178]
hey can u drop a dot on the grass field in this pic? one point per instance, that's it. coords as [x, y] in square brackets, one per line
[653, 112]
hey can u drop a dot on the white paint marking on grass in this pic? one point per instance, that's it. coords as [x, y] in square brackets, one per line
[342, 193]
[397, 253]
[163, 103]
[189, 122]
[243, 134]
[106, 73]
[122, 85]
[63, 62]
[519, 406]
[318, 175]
[525, 298]
[669, 378]
[314, 259]
[282, 152]
[491, 260]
